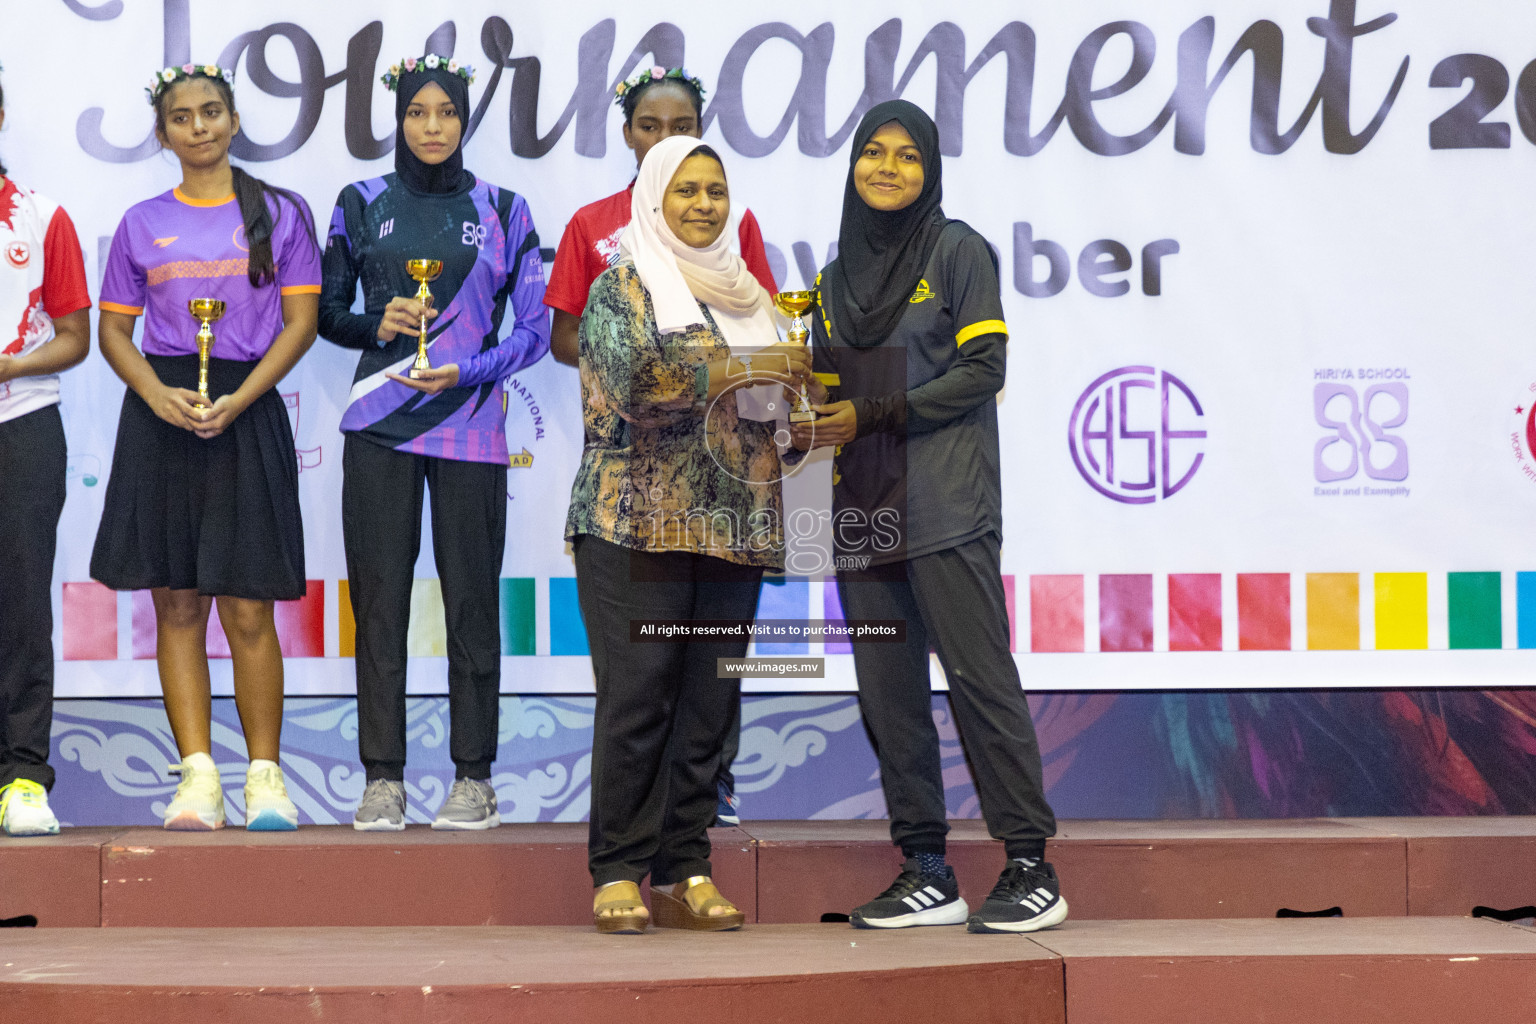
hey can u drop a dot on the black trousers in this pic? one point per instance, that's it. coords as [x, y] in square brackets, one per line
[33, 463]
[381, 495]
[954, 600]
[662, 714]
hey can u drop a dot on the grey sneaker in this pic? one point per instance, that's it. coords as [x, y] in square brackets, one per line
[471, 806]
[382, 809]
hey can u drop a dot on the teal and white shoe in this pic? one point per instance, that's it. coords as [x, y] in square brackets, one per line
[24, 810]
[267, 807]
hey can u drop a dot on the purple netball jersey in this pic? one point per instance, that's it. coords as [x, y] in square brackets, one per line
[171, 248]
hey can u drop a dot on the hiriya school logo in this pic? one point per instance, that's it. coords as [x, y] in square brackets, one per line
[1361, 411]
[18, 254]
[1136, 435]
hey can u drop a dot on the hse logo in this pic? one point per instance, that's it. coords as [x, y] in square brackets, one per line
[1136, 435]
[1360, 420]
[921, 293]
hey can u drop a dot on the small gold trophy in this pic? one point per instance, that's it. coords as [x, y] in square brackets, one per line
[423, 271]
[792, 304]
[208, 311]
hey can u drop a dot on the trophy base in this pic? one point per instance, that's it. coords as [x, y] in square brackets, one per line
[802, 416]
[417, 373]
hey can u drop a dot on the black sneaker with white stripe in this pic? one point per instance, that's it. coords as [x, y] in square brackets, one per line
[1025, 899]
[914, 899]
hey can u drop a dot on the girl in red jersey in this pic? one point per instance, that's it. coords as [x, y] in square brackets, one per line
[658, 103]
[43, 307]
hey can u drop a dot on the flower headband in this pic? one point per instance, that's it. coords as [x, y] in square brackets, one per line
[163, 80]
[655, 73]
[432, 62]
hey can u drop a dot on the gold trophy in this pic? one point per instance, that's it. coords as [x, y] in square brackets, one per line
[423, 271]
[208, 311]
[792, 304]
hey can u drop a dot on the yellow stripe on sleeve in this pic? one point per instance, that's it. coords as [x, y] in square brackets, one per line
[113, 307]
[302, 289]
[976, 330]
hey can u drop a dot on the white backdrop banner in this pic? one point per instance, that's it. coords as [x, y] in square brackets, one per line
[1269, 419]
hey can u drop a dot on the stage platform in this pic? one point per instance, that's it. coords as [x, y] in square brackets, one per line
[1087, 972]
[1171, 922]
[778, 872]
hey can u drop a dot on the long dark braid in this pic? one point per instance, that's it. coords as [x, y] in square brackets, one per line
[251, 193]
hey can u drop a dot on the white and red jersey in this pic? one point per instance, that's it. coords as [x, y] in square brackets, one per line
[42, 276]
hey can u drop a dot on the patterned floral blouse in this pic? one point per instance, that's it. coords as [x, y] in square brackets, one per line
[662, 469]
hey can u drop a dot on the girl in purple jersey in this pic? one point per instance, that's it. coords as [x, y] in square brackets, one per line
[202, 503]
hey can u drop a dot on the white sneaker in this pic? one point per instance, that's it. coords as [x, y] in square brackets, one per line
[267, 807]
[24, 810]
[198, 805]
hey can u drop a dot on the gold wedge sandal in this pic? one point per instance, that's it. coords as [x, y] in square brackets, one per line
[617, 910]
[688, 905]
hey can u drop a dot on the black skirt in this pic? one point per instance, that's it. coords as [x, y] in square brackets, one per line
[219, 516]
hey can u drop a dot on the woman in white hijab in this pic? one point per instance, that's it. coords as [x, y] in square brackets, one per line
[675, 513]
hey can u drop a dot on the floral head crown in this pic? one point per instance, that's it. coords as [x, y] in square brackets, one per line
[432, 62]
[656, 73]
[164, 79]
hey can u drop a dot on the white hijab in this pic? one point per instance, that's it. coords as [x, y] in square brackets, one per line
[679, 276]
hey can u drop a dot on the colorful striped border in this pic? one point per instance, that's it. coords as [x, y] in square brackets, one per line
[1058, 613]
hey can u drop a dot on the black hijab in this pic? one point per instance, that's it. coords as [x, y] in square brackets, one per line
[431, 179]
[881, 255]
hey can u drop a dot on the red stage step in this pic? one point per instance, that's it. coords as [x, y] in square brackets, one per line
[1455, 864]
[1336, 971]
[524, 874]
[56, 879]
[1322, 971]
[778, 872]
[555, 975]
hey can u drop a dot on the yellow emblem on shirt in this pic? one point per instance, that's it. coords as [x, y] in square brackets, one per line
[922, 293]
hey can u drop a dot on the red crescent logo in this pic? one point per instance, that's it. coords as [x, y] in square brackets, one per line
[18, 255]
